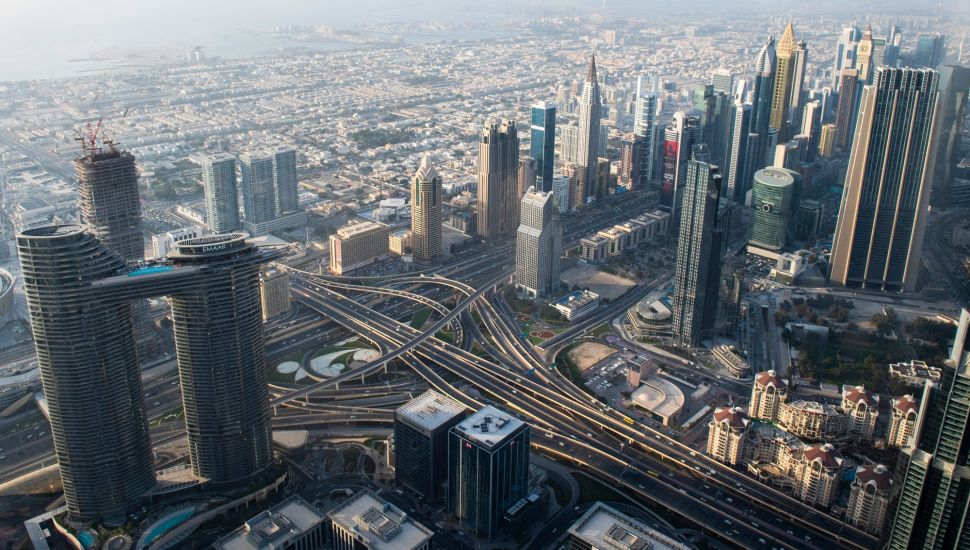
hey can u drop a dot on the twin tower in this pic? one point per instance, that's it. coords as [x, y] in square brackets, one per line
[80, 294]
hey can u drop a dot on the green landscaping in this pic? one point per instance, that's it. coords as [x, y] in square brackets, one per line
[601, 330]
[420, 317]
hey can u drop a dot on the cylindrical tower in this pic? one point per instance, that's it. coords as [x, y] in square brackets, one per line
[771, 207]
[89, 371]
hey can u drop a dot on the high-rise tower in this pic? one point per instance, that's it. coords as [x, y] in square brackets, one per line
[590, 112]
[538, 245]
[108, 197]
[680, 136]
[285, 179]
[789, 73]
[542, 146]
[736, 152]
[498, 174]
[882, 218]
[426, 213]
[258, 187]
[764, 83]
[698, 251]
[221, 201]
[864, 56]
[645, 126]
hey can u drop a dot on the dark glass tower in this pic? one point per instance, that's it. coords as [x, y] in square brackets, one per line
[764, 83]
[542, 148]
[488, 468]
[882, 218]
[421, 442]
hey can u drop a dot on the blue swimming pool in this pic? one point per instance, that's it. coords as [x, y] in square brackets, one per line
[166, 525]
[151, 269]
[85, 538]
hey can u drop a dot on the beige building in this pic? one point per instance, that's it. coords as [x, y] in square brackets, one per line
[861, 407]
[903, 423]
[811, 420]
[498, 187]
[869, 499]
[274, 293]
[772, 454]
[399, 242]
[826, 141]
[613, 241]
[365, 521]
[356, 245]
[817, 475]
[426, 213]
[767, 395]
[727, 434]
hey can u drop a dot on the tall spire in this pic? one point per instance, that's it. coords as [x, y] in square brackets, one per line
[867, 34]
[765, 65]
[786, 44]
[426, 172]
[591, 75]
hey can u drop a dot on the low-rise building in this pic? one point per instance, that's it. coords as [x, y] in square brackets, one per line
[356, 245]
[915, 373]
[661, 398]
[771, 454]
[163, 243]
[603, 527]
[725, 357]
[367, 522]
[293, 524]
[869, 499]
[727, 434]
[577, 304]
[399, 242]
[613, 241]
[902, 425]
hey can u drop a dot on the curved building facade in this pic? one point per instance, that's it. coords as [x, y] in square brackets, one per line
[771, 207]
[79, 295]
[6, 296]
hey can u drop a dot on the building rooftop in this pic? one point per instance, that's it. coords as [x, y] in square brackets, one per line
[735, 417]
[578, 299]
[813, 407]
[659, 396]
[381, 524]
[273, 528]
[905, 403]
[915, 370]
[856, 394]
[770, 378]
[826, 455]
[489, 426]
[357, 228]
[430, 410]
[604, 527]
[878, 476]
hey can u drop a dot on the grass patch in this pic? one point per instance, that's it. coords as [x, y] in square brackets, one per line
[420, 317]
[445, 336]
[601, 330]
[171, 416]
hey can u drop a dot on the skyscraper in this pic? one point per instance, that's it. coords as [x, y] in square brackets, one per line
[527, 178]
[108, 197]
[645, 126]
[933, 509]
[864, 56]
[736, 152]
[258, 187]
[426, 213]
[845, 114]
[680, 136]
[590, 112]
[845, 52]
[761, 108]
[221, 202]
[421, 442]
[287, 184]
[79, 294]
[954, 92]
[771, 207]
[696, 247]
[498, 174]
[538, 245]
[542, 146]
[723, 80]
[882, 218]
[788, 75]
[631, 161]
[930, 51]
[488, 468]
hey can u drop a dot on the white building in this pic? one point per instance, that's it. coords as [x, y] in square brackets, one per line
[294, 524]
[903, 423]
[162, 244]
[817, 475]
[869, 499]
[811, 420]
[367, 522]
[538, 245]
[861, 406]
[767, 395]
[727, 434]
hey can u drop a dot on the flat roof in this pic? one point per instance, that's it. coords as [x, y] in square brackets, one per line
[488, 426]
[604, 527]
[381, 524]
[271, 528]
[430, 410]
[357, 228]
[659, 396]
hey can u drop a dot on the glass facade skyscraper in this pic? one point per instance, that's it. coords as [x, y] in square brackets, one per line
[221, 200]
[772, 197]
[421, 442]
[542, 147]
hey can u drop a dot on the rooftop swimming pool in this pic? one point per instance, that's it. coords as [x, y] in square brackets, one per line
[165, 525]
[150, 269]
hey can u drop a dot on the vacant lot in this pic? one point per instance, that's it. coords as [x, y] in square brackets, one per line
[588, 354]
[605, 284]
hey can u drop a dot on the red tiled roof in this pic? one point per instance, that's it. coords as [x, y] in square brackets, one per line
[879, 476]
[826, 454]
[768, 378]
[856, 394]
[905, 404]
[734, 416]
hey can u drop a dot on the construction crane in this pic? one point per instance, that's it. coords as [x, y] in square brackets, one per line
[90, 134]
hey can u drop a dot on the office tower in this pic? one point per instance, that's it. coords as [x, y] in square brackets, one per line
[954, 91]
[808, 219]
[542, 146]
[768, 393]
[631, 159]
[366, 521]
[421, 442]
[108, 200]
[764, 84]
[882, 218]
[274, 293]
[811, 119]
[680, 136]
[590, 113]
[902, 425]
[286, 182]
[560, 192]
[573, 175]
[221, 203]
[603, 527]
[498, 173]
[358, 244]
[930, 51]
[569, 143]
[771, 208]
[258, 187]
[538, 245]
[864, 56]
[826, 140]
[723, 80]
[604, 183]
[734, 157]
[769, 143]
[933, 509]
[162, 244]
[845, 115]
[726, 435]
[79, 295]
[787, 155]
[527, 178]
[869, 499]
[695, 248]
[789, 69]
[845, 52]
[488, 468]
[426, 213]
[645, 126]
